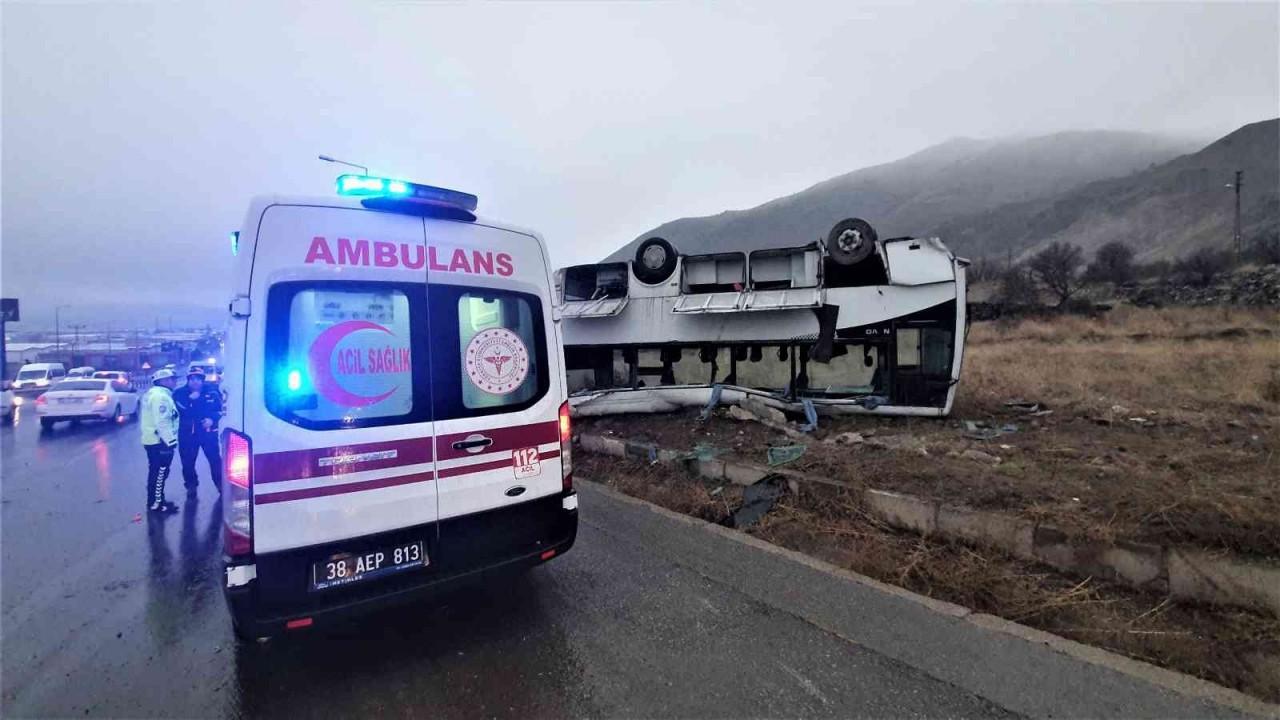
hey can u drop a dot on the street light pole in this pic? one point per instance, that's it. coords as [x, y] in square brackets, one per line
[57, 329]
[326, 158]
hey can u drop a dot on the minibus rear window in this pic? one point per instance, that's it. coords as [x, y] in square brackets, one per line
[344, 354]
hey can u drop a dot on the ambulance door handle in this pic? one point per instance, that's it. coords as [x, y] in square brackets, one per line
[473, 443]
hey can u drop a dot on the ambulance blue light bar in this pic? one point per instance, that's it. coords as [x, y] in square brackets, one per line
[370, 186]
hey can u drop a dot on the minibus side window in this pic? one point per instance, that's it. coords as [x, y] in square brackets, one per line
[491, 351]
[341, 355]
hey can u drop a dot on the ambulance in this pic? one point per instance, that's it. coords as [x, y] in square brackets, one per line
[397, 418]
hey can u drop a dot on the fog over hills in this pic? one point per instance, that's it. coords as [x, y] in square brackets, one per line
[991, 197]
[1166, 211]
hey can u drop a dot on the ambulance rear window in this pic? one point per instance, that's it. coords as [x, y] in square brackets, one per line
[344, 354]
[490, 351]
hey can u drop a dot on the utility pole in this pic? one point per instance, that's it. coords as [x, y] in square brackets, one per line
[1237, 237]
[57, 330]
[75, 343]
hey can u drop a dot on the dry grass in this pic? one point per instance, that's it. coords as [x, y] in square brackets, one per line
[1194, 365]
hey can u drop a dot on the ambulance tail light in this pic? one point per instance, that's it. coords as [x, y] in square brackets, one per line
[566, 447]
[237, 491]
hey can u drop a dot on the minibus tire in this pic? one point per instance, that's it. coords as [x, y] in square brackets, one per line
[654, 275]
[851, 255]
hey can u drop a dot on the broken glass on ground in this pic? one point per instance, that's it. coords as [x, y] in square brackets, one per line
[758, 500]
[783, 455]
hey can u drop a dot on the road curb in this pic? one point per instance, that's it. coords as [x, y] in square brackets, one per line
[1185, 573]
[1180, 683]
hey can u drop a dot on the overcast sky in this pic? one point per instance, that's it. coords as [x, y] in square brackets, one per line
[134, 134]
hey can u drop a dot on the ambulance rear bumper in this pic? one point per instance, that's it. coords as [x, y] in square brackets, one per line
[275, 595]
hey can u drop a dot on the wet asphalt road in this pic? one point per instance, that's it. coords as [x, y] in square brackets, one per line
[647, 616]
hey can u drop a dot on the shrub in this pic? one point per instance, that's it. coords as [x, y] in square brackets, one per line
[1202, 267]
[1017, 288]
[1113, 263]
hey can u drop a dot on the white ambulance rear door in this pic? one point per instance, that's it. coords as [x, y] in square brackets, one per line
[337, 390]
[496, 368]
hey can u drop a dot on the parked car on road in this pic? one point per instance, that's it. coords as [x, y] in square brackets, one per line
[7, 402]
[119, 378]
[85, 399]
[38, 376]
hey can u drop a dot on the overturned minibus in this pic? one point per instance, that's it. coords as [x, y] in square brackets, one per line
[849, 323]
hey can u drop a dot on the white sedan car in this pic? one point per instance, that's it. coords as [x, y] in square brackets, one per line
[8, 401]
[85, 399]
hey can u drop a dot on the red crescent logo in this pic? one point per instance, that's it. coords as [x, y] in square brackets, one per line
[321, 354]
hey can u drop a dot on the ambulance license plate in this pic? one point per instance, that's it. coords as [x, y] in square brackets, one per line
[346, 568]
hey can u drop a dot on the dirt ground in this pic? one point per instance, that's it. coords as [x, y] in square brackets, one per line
[1163, 428]
[1235, 648]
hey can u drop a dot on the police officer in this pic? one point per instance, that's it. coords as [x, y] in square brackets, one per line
[159, 438]
[199, 409]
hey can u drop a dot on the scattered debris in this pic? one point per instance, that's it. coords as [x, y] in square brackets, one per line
[980, 456]
[755, 410]
[762, 410]
[712, 402]
[785, 454]
[757, 500]
[899, 442]
[717, 491]
[703, 452]
[1025, 406]
[980, 430]
[846, 438]
[810, 415]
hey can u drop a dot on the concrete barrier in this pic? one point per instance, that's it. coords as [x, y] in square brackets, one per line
[1182, 573]
[1217, 578]
[602, 445]
[906, 512]
[997, 530]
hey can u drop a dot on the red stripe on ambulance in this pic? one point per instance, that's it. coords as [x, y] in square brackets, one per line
[340, 460]
[507, 438]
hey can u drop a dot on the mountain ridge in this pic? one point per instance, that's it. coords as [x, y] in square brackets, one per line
[987, 196]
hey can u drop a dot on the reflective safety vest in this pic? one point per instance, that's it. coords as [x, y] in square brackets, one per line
[159, 417]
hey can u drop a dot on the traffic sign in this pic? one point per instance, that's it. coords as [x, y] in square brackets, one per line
[9, 310]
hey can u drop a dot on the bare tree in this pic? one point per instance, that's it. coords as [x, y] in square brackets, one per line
[1057, 267]
[1113, 263]
[1017, 288]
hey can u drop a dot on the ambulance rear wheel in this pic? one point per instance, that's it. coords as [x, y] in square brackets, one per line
[655, 261]
[851, 241]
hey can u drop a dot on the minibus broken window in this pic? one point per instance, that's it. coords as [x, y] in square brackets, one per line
[593, 282]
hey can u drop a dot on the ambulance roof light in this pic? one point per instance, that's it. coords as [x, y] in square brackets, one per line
[370, 186]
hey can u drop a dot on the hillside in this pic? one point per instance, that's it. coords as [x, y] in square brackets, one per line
[914, 195]
[1165, 211]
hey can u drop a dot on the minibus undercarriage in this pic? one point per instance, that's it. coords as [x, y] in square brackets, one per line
[851, 324]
